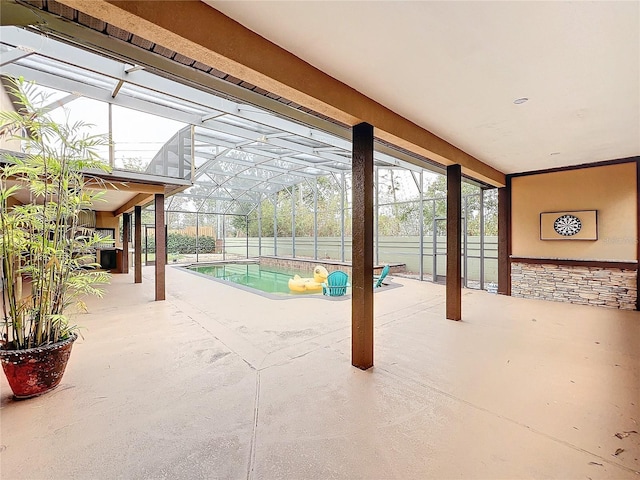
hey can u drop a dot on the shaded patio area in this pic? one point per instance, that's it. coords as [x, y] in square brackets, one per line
[217, 382]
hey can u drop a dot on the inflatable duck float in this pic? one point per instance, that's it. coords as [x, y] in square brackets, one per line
[309, 285]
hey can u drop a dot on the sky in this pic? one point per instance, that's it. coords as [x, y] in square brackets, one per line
[135, 134]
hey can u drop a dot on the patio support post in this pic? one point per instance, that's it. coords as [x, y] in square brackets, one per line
[246, 217]
[362, 248]
[315, 219]
[454, 243]
[638, 234]
[126, 229]
[161, 246]
[342, 188]
[137, 243]
[504, 239]
[224, 237]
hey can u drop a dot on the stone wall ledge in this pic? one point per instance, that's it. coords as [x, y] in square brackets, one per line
[609, 287]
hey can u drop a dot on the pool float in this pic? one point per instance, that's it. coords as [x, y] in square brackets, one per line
[309, 285]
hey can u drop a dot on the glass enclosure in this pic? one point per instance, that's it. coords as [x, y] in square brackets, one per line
[263, 184]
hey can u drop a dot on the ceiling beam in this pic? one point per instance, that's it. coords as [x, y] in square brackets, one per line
[140, 199]
[238, 51]
[100, 184]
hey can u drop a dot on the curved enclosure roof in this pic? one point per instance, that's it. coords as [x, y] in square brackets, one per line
[234, 153]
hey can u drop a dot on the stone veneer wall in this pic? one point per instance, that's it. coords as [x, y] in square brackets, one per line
[308, 265]
[303, 265]
[605, 287]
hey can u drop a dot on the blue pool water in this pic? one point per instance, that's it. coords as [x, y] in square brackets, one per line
[266, 279]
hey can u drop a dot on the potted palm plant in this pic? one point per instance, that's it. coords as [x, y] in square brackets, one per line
[43, 245]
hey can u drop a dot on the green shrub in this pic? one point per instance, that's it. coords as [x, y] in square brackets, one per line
[179, 243]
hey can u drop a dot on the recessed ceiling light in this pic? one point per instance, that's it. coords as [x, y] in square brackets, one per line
[520, 101]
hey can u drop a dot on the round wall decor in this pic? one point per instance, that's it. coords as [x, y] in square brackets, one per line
[567, 225]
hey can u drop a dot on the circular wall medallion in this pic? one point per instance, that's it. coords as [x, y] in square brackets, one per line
[567, 225]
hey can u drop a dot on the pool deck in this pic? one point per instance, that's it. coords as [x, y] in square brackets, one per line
[217, 382]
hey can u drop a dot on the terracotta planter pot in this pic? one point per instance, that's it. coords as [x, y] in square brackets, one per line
[35, 371]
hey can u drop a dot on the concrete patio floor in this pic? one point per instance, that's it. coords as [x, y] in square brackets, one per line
[217, 382]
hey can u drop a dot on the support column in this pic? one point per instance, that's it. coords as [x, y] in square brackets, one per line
[504, 239]
[362, 248]
[161, 246]
[454, 242]
[637, 234]
[126, 232]
[137, 242]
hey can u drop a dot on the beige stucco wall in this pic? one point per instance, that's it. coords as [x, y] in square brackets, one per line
[611, 190]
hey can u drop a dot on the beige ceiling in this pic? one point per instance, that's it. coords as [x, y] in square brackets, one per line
[110, 201]
[113, 199]
[455, 68]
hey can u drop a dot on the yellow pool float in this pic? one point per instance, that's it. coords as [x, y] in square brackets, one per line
[309, 285]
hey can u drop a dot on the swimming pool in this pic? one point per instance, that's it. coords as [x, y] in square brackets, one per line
[267, 279]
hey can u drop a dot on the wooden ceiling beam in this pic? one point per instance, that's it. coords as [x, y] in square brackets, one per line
[97, 184]
[140, 199]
